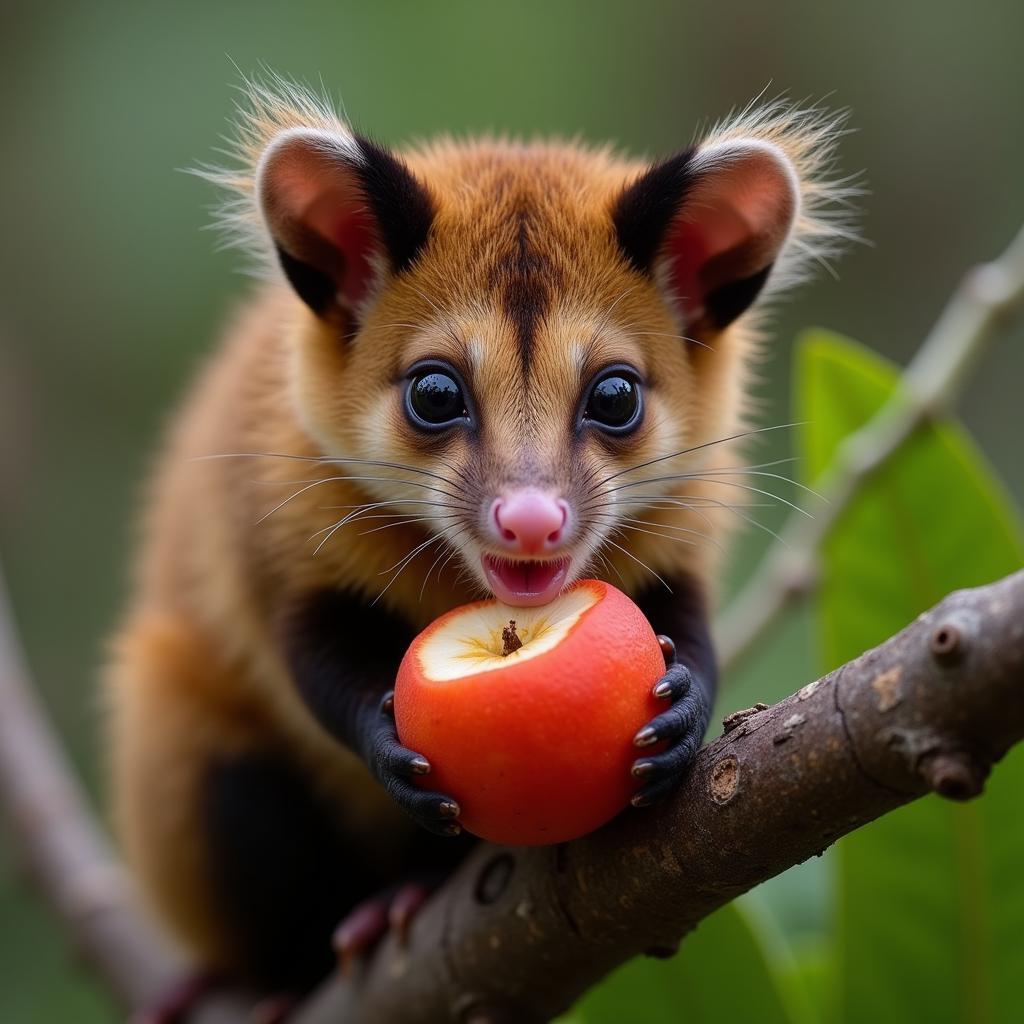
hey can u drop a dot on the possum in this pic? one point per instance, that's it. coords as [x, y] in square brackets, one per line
[472, 368]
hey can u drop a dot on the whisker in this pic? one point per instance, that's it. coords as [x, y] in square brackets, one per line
[331, 530]
[664, 536]
[357, 513]
[291, 497]
[627, 500]
[403, 563]
[728, 506]
[750, 520]
[661, 526]
[419, 547]
[706, 501]
[379, 479]
[717, 483]
[342, 461]
[606, 319]
[754, 470]
[629, 554]
[773, 476]
[406, 522]
[454, 550]
[391, 501]
[674, 337]
[608, 565]
[326, 459]
[699, 447]
[444, 317]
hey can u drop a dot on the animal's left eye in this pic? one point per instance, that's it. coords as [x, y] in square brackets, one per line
[614, 403]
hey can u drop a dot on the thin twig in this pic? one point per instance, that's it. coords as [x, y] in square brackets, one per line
[984, 301]
[67, 856]
[62, 848]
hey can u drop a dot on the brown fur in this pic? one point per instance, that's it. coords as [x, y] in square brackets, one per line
[195, 671]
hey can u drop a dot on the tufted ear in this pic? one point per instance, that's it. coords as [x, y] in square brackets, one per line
[709, 223]
[342, 211]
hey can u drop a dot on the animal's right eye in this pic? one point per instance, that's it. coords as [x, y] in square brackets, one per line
[435, 399]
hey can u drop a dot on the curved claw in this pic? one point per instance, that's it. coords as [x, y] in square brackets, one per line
[394, 766]
[674, 684]
[681, 727]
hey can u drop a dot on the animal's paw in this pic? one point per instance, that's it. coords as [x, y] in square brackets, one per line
[395, 766]
[681, 728]
[176, 1004]
[368, 922]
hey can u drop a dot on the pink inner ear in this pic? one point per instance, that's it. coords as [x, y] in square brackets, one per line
[688, 249]
[318, 211]
[731, 226]
[354, 237]
[339, 216]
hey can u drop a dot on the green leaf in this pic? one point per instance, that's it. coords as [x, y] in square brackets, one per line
[723, 971]
[931, 897]
[812, 972]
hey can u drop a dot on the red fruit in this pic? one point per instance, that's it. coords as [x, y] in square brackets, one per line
[535, 745]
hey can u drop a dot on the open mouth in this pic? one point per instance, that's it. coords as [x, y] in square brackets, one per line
[525, 581]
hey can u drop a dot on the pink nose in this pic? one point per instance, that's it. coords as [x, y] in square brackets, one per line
[530, 522]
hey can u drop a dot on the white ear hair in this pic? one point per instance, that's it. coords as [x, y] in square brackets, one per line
[272, 110]
[310, 191]
[739, 216]
[732, 218]
[299, 167]
[304, 141]
[337, 213]
[806, 138]
[764, 181]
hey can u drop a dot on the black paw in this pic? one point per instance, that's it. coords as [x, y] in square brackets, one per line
[682, 727]
[394, 766]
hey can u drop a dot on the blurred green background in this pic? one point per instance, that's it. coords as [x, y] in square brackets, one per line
[111, 293]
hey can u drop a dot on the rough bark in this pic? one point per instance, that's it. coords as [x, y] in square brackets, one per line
[519, 934]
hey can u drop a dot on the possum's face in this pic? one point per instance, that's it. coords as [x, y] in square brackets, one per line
[524, 438]
[531, 343]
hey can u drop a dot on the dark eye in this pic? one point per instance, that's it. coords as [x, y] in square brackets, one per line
[614, 403]
[435, 399]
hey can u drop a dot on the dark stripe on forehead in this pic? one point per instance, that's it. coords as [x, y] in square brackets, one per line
[524, 277]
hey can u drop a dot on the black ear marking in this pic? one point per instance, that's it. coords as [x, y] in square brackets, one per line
[647, 206]
[708, 225]
[728, 301]
[316, 289]
[403, 208]
[342, 212]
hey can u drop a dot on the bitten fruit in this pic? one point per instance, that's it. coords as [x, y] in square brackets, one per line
[527, 715]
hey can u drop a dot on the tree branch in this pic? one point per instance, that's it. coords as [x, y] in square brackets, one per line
[985, 300]
[518, 934]
[67, 856]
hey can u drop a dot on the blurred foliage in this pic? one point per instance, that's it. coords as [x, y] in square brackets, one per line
[700, 986]
[931, 897]
[110, 293]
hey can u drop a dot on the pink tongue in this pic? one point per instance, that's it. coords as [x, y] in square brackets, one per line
[526, 578]
[526, 583]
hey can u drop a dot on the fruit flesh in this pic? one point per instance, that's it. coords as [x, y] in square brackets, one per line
[535, 746]
[470, 643]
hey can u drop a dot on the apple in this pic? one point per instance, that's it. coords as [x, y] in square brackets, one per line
[527, 715]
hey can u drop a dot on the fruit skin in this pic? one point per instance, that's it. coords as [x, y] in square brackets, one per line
[538, 751]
